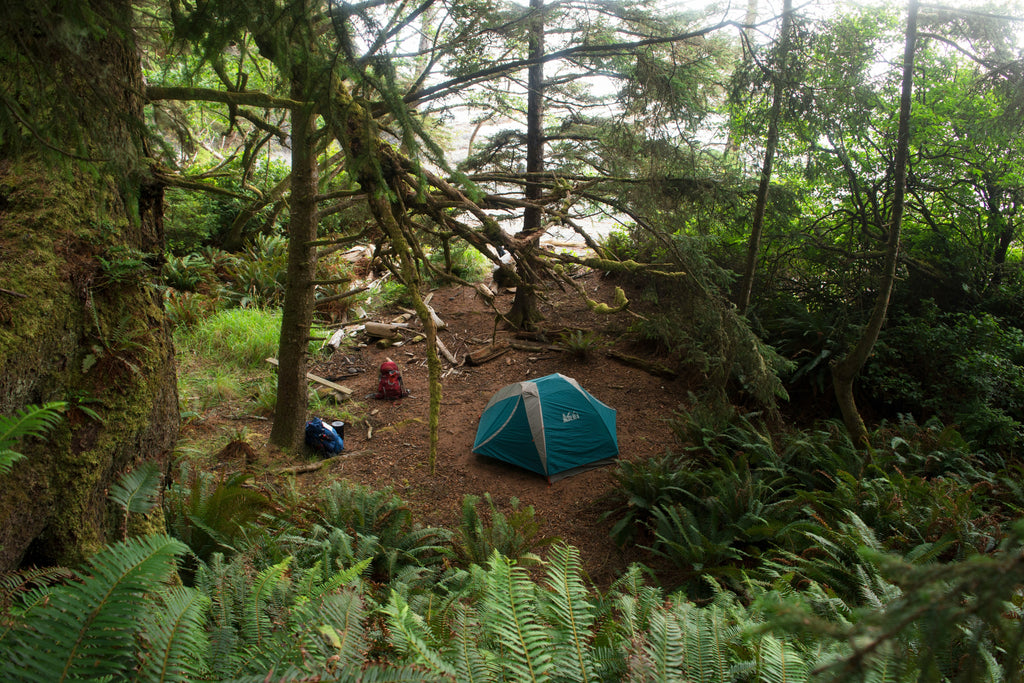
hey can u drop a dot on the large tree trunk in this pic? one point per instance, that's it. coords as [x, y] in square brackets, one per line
[80, 234]
[845, 371]
[297, 316]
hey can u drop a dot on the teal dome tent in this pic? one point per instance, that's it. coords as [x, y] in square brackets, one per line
[550, 425]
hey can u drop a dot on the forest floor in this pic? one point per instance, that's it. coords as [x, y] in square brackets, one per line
[387, 443]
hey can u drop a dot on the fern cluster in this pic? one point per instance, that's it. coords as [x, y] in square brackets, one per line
[738, 501]
[320, 614]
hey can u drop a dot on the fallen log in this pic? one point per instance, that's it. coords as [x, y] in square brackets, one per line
[484, 355]
[319, 380]
[314, 466]
[384, 330]
[647, 366]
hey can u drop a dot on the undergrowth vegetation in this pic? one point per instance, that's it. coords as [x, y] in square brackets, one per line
[771, 554]
[793, 557]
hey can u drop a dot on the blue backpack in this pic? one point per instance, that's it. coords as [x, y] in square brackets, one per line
[322, 438]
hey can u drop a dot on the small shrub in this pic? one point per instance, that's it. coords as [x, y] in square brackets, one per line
[466, 263]
[517, 536]
[580, 344]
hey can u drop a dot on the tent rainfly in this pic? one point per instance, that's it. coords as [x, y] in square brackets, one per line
[550, 425]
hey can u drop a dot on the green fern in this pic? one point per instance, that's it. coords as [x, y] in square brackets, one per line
[340, 624]
[136, 491]
[28, 422]
[213, 516]
[264, 591]
[473, 663]
[91, 629]
[522, 641]
[709, 637]
[571, 616]
[411, 638]
[779, 662]
[660, 653]
[516, 536]
[177, 645]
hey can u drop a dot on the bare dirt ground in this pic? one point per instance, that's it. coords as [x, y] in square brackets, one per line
[388, 444]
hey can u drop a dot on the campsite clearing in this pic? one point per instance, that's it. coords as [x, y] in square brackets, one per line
[396, 452]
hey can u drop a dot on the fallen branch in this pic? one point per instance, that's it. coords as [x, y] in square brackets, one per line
[520, 346]
[485, 355]
[647, 366]
[314, 466]
[445, 352]
[319, 380]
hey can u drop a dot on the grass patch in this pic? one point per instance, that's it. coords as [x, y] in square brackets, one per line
[239, 338]
[222, 359]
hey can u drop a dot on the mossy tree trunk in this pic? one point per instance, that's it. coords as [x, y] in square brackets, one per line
[80, 240]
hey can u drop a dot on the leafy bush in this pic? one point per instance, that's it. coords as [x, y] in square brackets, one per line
[963, 368]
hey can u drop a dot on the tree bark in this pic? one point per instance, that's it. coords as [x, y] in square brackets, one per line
[76, 202]
[297, 312]
[757, 226]
[524, 311]
[845, 371]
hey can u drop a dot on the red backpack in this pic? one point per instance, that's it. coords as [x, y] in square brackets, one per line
[390, 386]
